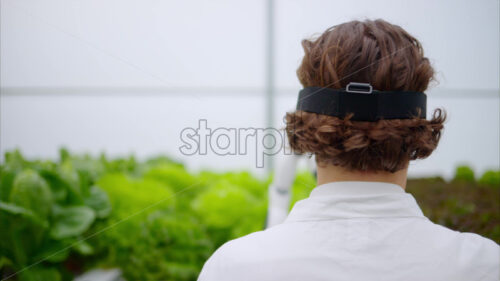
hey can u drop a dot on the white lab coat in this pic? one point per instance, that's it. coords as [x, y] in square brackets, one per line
[356, 231]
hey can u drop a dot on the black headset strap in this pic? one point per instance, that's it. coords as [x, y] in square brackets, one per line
[371, 106]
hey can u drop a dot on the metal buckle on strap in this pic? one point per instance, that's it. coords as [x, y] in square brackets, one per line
[361, 88]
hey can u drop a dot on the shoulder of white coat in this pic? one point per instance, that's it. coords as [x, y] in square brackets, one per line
[228, 256]
[483, 257]
[241, 249]
[487, 249]
[472, 242]
[473, 252]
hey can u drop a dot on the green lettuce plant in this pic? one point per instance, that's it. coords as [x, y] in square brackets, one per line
[46, 209]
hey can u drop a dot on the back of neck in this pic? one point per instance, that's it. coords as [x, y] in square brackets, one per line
[331, 173]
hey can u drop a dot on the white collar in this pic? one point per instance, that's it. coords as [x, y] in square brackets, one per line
[355, 199]
[355, 188]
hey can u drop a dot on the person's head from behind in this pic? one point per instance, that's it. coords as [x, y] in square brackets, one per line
[388, 58]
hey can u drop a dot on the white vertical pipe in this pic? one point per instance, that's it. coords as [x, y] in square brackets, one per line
[269, 80]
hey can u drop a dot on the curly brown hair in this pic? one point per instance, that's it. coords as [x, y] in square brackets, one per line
[388, 58]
